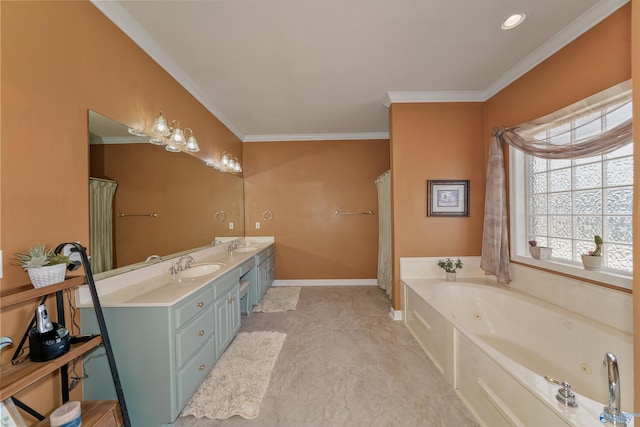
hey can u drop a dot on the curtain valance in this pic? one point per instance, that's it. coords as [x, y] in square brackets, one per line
[596, 125]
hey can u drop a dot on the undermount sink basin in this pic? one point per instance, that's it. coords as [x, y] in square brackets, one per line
[246, 249]
[198, 270]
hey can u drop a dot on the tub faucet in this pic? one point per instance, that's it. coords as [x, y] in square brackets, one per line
[613, 410]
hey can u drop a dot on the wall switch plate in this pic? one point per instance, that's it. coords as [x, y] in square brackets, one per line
[231, 225]
[257, 225]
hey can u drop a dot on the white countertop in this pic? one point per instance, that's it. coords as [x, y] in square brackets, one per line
[154, 286]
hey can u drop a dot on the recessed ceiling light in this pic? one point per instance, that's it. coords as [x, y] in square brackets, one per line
[514, 20]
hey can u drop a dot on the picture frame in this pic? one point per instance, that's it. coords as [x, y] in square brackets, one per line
[448, 198]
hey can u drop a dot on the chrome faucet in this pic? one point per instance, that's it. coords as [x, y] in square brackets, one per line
[233, 245]
[187, 264]
[153, 257]
[613, 410]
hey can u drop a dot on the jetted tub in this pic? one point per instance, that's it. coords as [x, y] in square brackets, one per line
[495, 345]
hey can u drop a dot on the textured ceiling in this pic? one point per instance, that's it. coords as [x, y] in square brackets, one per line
[310, 69]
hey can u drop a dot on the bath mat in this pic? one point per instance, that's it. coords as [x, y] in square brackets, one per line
[282, 298]
[238, 382]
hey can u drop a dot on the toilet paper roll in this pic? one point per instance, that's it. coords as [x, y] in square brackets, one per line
[68, 415]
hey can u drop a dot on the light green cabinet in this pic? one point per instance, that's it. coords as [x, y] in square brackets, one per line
[163, 353]
[227, 325]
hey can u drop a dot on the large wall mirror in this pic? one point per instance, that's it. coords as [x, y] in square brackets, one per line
[147, 201]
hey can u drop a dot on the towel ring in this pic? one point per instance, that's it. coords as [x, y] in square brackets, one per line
[267, 215]
[220, 216]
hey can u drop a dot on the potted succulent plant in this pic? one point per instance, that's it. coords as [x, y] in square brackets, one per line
[593, 260]
[43, 265]
[450, 267]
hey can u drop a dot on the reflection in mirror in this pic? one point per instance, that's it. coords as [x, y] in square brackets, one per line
[147, 201]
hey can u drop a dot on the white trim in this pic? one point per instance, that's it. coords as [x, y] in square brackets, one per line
[119, 16]
[316, 137]
[395, 97]
[326, 282]
[397, 315]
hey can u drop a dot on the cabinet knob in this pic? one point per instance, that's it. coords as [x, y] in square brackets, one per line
[201, 333]
[201, 367]
[200, 304]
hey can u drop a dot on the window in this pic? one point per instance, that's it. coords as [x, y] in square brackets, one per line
[563, 203]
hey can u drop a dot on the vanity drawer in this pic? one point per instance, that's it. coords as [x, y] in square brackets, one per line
[223, 285]
[262, 256]
[194, 305]
[247, 265]
[193, 336]
[194, 372]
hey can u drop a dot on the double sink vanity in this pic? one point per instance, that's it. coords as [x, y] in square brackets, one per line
[169, 324]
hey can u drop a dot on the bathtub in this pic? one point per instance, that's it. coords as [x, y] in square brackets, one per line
[495, 345]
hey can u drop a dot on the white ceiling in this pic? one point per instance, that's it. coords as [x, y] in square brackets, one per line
[324, 69]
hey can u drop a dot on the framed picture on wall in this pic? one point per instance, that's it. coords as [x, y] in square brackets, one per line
[447, 198]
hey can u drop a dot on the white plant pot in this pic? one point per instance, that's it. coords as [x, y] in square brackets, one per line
[48, 275]
[451, 277]
[540, 252]
[591, 262]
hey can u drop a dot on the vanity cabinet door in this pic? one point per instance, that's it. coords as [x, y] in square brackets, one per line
[223, 332]
[234, 312]
[227, 310]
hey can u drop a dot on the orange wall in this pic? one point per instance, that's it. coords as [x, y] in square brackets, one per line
[60, 59]
[181, 190]
[435, 141]
[303, 184]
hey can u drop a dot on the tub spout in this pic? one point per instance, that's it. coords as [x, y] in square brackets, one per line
[613, 410]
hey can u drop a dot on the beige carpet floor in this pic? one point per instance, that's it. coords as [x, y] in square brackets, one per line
[345, 362]
[278, 298]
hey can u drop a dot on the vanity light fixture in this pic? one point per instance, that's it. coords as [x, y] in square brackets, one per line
[514, 20]
[192, 144]
[136, 132]
[160, 127]
[230, 163]
[172, 136]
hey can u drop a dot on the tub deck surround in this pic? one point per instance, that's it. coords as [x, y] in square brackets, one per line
[473, 331]
[608, 306]
[153, 285]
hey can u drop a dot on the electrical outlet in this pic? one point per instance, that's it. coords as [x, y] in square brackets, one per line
[257, 225]
[230, 225]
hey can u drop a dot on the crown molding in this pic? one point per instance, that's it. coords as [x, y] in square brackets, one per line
[579, 26]
[121, 18]
[433, 96]
[316, 137]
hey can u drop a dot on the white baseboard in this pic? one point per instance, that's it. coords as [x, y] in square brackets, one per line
[327, 282]
[396, 314]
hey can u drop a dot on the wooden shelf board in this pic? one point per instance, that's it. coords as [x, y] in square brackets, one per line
[96, 412]
[18, 377]
[28, 292]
